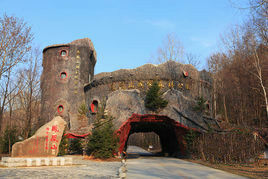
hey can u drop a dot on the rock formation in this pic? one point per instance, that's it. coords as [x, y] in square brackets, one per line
[123, 92]
[122, 104]
[44, 143]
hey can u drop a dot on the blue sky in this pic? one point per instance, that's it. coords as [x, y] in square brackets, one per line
[126, 33]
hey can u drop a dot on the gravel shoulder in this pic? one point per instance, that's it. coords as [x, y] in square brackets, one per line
[80, 169]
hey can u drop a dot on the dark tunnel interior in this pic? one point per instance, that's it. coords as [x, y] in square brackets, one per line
[166, 132]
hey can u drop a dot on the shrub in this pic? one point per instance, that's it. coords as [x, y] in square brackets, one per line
[153, 100]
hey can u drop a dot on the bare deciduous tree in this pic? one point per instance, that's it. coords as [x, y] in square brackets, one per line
[15, 43]
[193, 60]
[216, 65]
[259, 18]
[172, 50]
[258, 65]
[29, 96]
[240, 87]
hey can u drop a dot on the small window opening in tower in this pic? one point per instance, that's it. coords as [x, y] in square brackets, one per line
[63, 75]
[60, 109]
[94, 106]
[63, 53]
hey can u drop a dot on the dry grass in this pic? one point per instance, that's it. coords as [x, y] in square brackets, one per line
[247, 170]
[101, 160]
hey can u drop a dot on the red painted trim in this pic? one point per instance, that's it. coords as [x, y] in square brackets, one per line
[76, 136]
[92, 107]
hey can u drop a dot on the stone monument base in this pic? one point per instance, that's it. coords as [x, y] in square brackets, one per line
[36, 161]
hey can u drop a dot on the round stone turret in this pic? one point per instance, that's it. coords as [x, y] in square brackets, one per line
[66, 69]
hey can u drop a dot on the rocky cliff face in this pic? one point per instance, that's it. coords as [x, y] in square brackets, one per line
[121, 104]
[123, 92]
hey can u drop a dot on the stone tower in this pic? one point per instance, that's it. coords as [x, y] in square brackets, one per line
[66, 69]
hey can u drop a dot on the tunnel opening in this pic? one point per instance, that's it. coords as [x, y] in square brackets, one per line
[165, 131]
[148, 141]
[170, 132]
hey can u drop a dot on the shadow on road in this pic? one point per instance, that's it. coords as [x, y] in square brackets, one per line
[136, 152]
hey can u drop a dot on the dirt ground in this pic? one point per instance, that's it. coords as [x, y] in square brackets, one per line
[247, 170]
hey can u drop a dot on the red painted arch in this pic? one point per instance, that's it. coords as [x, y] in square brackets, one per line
[123, 131]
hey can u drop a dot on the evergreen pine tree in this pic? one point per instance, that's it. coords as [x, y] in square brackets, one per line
[75, 146]
[153, 100]
[103, 142]
[200, 104]
[63, 148]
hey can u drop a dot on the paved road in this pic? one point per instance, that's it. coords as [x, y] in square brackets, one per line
[169, 168]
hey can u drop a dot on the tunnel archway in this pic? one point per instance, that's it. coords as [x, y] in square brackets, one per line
[170, 132]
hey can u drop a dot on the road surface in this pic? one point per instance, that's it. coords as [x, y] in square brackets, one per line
[168, 168]
[163, 167]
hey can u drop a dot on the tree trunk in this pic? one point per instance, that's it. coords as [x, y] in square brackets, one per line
[225, 109]
[1, 119]
[9, 150]
[259, 76]
[214, 99]
[265, 97]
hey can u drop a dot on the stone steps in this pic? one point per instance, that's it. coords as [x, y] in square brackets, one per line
[36, 161]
